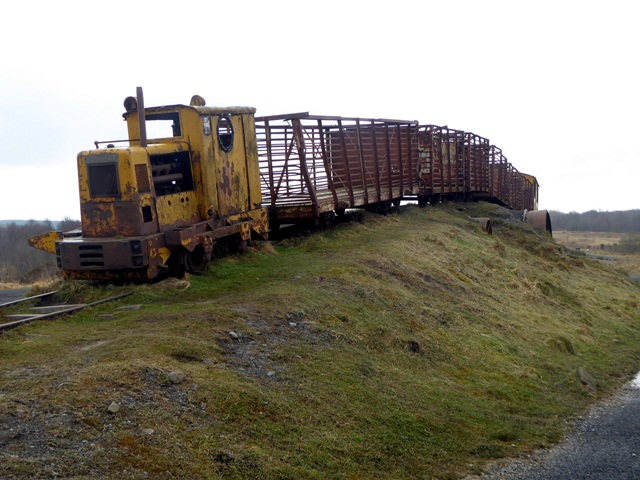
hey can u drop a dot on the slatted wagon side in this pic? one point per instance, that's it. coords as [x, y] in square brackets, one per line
[476, 165]
[531, 188]
[314, 166]
[453, 163]
[500, 175]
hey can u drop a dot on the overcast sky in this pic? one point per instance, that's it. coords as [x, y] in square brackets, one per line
[555, 84]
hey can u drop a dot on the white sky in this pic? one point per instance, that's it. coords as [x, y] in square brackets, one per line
[555, 84]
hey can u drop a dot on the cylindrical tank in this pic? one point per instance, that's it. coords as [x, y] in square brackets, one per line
[539, 219]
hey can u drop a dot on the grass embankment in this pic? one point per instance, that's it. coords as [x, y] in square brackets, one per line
[411, 345]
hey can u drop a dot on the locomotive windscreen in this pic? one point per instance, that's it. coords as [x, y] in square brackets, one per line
[103, 175]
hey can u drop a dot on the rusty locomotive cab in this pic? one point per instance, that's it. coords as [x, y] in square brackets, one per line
[186, 178]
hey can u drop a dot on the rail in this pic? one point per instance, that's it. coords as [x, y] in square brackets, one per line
[48, 311]
[13, 302]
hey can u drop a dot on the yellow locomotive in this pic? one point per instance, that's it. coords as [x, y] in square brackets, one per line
[162, 203]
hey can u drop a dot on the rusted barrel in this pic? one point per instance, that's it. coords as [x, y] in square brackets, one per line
[485, 223]
[539, 219]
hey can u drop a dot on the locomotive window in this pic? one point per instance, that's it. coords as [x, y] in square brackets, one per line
[163, 125]
[171, 173]
[102, 171]
[225, 133]
[147, 215]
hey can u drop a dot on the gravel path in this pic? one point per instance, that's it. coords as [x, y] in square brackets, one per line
[604, 446]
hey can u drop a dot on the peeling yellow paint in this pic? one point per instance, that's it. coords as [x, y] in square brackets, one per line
[162, 252]
[46, 241]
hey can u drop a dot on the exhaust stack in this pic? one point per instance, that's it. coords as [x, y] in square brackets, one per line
[141, 118]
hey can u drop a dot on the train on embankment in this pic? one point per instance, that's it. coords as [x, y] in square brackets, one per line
[154, 205]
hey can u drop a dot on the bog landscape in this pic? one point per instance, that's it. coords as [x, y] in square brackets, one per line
[405, 345]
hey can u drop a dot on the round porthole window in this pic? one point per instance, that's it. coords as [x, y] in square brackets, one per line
[225, 133]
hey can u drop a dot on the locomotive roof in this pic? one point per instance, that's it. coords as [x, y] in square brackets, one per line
[201, 110]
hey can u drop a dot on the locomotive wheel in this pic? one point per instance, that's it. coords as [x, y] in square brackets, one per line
[195, 261]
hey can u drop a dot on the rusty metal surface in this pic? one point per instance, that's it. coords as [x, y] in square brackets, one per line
[144, 258]
[485, 223]
[188, 189]
[311, 165]
[441, 168]
[141, 117]
[453, 163]
[476, 163]
[531, 188]
[499, 175]
[510, 187]
[539, 219]
[46, 241]
[141, 258]
[104, 254]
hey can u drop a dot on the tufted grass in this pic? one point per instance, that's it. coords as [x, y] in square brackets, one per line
[410, 345]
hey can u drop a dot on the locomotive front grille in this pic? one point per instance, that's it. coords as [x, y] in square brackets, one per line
[77, 254]
[91, 255]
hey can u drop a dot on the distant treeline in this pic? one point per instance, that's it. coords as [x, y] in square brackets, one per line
[627, 221]
[21, 263]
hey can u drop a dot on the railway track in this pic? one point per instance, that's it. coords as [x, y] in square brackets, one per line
[45, 312]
